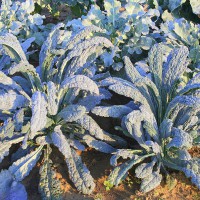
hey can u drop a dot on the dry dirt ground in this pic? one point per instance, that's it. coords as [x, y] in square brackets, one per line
[98, 163]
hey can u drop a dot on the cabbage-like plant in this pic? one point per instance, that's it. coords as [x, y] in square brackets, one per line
[183, 32]
[130, 27]
[175, 6]
[78, 7]
[163, 117]
[47, 107]
[17, 18]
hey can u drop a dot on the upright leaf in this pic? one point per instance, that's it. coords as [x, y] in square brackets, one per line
[39, 113]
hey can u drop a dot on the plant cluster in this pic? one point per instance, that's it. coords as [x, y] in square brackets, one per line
[78, 7]
[130, 27]
[17, 18]
[53, 104]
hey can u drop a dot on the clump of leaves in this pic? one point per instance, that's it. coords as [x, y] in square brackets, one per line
[163, 117]
[48, 106]
[183, 32]
[176, 6]
[130, 27]
[17, 18]
[78, 7]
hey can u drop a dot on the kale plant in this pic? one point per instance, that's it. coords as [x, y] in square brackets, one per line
[47, 107]
[17, 18]
[163, 117]
[130, 27]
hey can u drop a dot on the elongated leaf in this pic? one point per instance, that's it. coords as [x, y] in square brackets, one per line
[90, 125]
[180, 139]
[49, 186]
[111, 111]
[19, 119]
[24, 83]
[72, 113]
[175, 67]
[166, 128]
[120, 172]
[192, 170]
[11, 100]
[46, 56]
[52, 98]
[131, 92]
[124, 153]
[22, 167]
[98, 145]
[151, 182]
[23, 66]
[180, 102]
[7, 81]
[21, 153]
[5, 146]
[131, 71]
[192, 84]
[81, 82]
[78, 172]
[82, 34]
[133, 124]
[39, 113]
[12, 47]
[144, 170]
[7, 130]
[155, 59]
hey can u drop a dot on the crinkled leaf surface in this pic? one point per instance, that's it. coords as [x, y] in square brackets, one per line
[22, 167]
[78, 172]
[39, 113]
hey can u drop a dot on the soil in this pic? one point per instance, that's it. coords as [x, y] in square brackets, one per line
[98, 164]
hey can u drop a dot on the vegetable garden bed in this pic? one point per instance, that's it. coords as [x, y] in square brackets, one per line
[99, 99]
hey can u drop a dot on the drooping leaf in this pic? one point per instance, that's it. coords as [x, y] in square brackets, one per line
[22, 167]
[80, 82]
[151, 182]
[192, 170]
[11, 100]
[117, 111]
[180, 139]
[72, 113]
[78, 172]
[98, 145]
[120, 172]
[12, 47]
[5, 146]
[90, 125]
[49, 185]
[144, 170]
